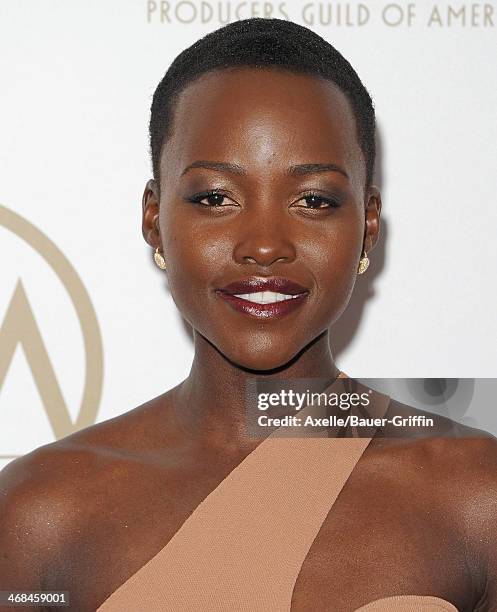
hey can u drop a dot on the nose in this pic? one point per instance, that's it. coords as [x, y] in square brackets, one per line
[264, 242]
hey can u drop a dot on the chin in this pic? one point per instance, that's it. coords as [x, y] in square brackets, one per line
[261, 359]
[255, 349]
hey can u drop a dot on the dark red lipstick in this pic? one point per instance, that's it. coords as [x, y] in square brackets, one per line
[264, 298]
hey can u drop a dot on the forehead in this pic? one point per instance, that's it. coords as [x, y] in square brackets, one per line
[254, 116]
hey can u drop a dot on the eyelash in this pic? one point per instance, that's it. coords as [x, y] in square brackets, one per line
[198, 197]
[332, 203]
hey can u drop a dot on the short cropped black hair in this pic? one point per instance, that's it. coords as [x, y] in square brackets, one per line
[262, 43]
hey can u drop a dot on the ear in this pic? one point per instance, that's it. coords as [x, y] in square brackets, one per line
[372, 211]
[150, 214]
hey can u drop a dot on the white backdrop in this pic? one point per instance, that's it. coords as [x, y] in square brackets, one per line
[77, 78]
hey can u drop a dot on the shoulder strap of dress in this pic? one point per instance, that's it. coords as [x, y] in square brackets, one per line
[244, 545]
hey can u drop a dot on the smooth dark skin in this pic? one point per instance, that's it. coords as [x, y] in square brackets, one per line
[417, 516]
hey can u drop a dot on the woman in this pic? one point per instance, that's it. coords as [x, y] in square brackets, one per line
[261, 212]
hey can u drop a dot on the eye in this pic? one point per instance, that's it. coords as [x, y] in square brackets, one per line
[212, 199]
[317, 201]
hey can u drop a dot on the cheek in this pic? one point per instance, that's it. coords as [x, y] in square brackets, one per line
[195, 254]
[333, 259]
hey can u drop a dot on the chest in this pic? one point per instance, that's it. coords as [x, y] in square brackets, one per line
[375, 541]
[387, 545]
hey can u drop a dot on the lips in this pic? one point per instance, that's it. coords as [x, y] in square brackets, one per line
[264, 297]
[255, 284]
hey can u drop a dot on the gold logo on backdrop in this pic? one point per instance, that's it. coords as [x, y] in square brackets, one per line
[19, 327]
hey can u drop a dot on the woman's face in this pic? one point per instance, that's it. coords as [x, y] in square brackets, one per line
[280, 152]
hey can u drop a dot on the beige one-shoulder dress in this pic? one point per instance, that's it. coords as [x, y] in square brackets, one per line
[236, 553]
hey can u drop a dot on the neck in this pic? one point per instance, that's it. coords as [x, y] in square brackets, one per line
[210, 402]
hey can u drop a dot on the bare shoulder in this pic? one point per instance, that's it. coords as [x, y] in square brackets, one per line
[449, 466]
[50, 496]
[446, 458]
[38, 513]
[451, 479]
[472, 500]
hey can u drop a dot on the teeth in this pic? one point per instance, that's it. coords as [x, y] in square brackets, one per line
[266, 297]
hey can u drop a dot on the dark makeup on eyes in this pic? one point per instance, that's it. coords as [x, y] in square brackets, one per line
[306, 188]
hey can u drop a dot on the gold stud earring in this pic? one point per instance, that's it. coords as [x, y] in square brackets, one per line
[159, 259]
[363, 263]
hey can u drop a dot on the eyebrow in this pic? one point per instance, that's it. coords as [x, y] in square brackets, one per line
[314, 168]
[296, 170]
[213, 165]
